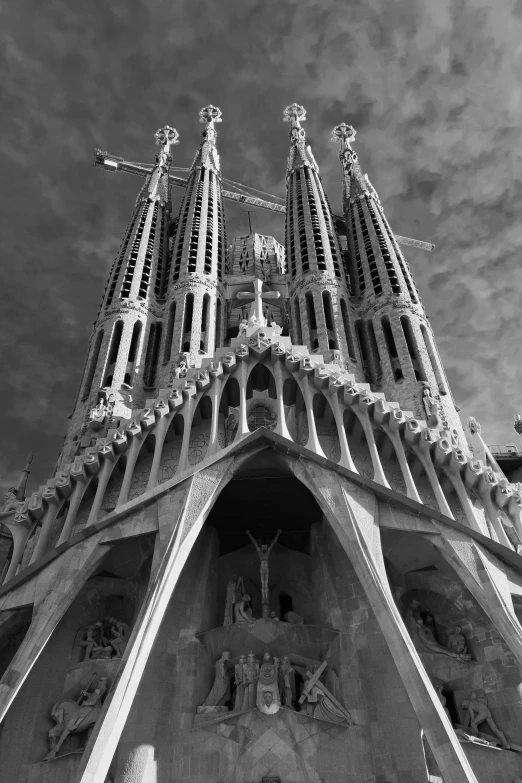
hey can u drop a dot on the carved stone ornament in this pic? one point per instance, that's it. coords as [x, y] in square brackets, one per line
[73, 717]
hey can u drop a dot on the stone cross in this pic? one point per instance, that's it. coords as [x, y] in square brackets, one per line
[257, 298]
[345, 134]
[165, 138]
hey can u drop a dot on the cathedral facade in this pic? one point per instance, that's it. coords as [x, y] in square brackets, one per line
[269, 552]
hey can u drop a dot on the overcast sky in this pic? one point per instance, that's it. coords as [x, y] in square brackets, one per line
[431, 86]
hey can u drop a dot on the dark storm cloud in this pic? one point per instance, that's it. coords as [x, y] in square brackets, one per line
[432, 89]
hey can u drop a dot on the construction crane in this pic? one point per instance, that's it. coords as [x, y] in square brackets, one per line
[113, 163]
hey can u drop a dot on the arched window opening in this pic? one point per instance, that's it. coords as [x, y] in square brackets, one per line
[115, 343]
[136, 332]
[151, 360]
[332, 344]
[260, 380]
[114, 350]
[375, 358]
[358, 444]
[189, 309]
[434, 360]
[392, 348]
[92, 366]
[261, 416]
[127, 379]
[413, 350]
[219, 326]
[205, 312]
[285, 605]
[167, 350]
[328, 310]
[298, 328]
[347, 330]
[312, 323]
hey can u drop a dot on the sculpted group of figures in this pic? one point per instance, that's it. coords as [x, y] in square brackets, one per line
[270, 685]
[105, 639]
[475, 707]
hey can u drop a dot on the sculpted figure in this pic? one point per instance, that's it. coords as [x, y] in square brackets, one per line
[220, 692]
[242, 611]
[264, 553]
[287, 683]
[181, 369]
[277, 329]
[251, 676]
[90, 639]
[73, 717]
[121, 635]
[478, 712]
[294, 618]
[239, 682]
[11, 499]
[235, 590]
[243, 327]
[320, 703]
[431, 407]
[457, 642]
[427, 637]
[268, 682]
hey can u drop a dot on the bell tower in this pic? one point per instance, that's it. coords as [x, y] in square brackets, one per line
[397, 345]
[195, 300]
[123, 353]
[319, 302]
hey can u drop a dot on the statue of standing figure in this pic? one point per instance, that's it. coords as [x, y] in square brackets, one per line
[264, 553]
[235, 590]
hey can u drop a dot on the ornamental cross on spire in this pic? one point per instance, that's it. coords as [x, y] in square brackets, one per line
[165, 137]
[295, 114]
[344, 134]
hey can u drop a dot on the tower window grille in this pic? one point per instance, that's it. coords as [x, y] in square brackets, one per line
[161, 268]
[383, 247]
[289, 227]
[347, 329]
[133, 256]
[170, 333]
[372, 263]
[92, 366]
[151, 360]
[116, 269]
[413, 349]
[330, 230]
[222, 235]
[315, 223]
[301, 226]
[194, 230]
[149, 253]
[184, 212]
[210, 226]
[361, 283]
[402, 262]
[392, 348]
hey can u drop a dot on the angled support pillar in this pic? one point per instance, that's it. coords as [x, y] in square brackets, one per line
[56, 587]
[352, 513]
[185, 510]
[485, 580]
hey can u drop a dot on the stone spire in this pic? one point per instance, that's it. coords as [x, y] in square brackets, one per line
[320, 308]
[196, 297]
[397, 345]
[125, 344]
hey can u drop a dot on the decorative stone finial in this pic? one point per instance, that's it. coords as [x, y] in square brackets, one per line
[344, 134]
[518, 424]
[473, 426]
[210, 114]
[166, 137]
[294, 114]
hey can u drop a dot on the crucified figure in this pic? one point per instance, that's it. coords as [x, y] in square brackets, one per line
[264, 553]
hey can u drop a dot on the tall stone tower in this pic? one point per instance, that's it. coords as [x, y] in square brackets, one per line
[396, 341]
[264, 555]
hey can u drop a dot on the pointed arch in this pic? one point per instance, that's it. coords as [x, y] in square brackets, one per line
[358, 444]
[326, 427]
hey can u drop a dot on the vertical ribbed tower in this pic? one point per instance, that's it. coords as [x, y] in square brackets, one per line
[124, 347]
[319, 302]
[195, 304]
[397, 345]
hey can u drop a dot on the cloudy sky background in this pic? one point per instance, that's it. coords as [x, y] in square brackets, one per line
[433, 89]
